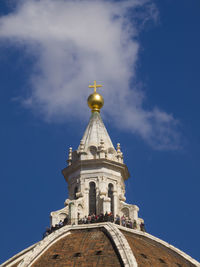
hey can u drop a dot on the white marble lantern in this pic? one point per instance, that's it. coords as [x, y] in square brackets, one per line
[95, 175]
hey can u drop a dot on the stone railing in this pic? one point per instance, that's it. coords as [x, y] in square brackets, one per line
[123, 221]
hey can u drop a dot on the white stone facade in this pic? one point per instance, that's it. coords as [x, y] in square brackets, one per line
[96, 163]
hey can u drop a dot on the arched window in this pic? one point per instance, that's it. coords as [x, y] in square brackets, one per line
[125, 212]
[75, 191]
[110, 195]
[92, 198]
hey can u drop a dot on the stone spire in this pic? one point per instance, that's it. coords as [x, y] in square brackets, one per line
[96, 139]
[96, 142]
[95, 132]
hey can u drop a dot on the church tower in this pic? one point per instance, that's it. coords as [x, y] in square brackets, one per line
[96, 173]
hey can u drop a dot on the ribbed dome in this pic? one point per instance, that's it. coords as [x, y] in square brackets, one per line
[95, 175]
[101, 245]
[95, 248]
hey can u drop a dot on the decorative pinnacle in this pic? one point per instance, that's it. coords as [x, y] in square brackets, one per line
[118, 148]
[81, 146]
[101, 145]
[95, 86]
[70, 156]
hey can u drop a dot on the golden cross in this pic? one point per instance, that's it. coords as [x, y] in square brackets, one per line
[95, 86]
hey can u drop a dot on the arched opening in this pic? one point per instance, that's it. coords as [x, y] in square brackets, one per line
[93, 151]
[62, 216]
[75, 191]
[92, 198]
[125, 212]
[110, 195]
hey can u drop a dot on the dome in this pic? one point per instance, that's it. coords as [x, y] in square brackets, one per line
[95, 175]
[103, 244]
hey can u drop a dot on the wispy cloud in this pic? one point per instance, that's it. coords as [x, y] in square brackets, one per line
[77, 41]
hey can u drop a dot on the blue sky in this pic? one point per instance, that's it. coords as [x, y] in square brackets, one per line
[44, 111]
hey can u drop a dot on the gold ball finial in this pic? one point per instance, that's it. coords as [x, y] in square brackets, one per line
[95, 100]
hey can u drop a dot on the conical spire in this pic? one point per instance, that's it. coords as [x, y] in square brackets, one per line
[96, 142]
[96, 138]
[96, 135]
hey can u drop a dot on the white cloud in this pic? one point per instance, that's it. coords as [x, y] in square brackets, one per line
[75, 42]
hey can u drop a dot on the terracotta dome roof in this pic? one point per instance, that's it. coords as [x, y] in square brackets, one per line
[150, 253]
[85, 247]
[101, 245]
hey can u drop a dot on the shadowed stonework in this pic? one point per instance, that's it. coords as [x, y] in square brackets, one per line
[82, 248]
[15, 265]
[149, 253]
